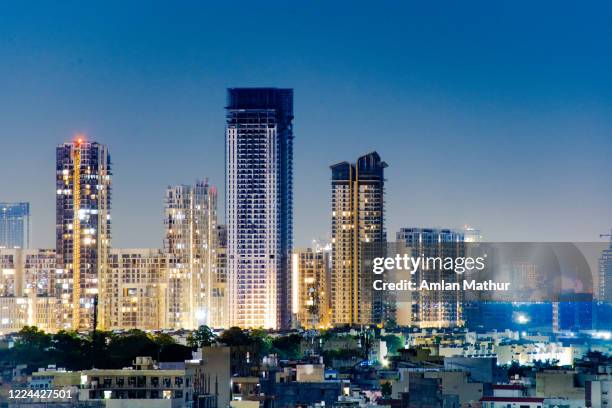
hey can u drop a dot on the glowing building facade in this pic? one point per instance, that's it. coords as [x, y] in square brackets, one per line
[358, 235]
[83, 230]
[136, 296]
[311, 282]
[27, 272]
[259, 207]
[11, 273]
[27, 287]
[190, 222]
[14, 314]
[39, 269]
[219, 302]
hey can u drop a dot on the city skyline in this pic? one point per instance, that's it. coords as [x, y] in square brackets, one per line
[478, 100]
[305, 205]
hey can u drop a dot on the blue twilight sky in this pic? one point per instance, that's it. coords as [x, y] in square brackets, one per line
[494, 114]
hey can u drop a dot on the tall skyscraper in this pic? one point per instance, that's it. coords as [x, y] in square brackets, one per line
[83, 230]
[311, 282]
[259, 208]
[358, 235]
[14, 225]
[190, 222]
[432, 308]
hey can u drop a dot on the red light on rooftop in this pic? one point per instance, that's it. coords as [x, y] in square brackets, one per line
[79, 138]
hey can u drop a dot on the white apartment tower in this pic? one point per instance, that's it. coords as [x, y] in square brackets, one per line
[259, 165]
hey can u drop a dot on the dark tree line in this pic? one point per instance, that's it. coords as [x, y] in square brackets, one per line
[75, 351]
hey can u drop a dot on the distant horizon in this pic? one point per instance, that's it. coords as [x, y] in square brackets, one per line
[489, 115]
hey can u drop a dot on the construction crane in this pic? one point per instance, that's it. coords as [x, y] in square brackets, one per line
[76, 234]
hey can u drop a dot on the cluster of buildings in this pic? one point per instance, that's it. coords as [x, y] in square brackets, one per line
[242, 272]
[432, 368]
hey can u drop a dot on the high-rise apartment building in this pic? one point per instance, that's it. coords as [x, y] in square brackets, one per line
[220, 308]
[136, 289]
[311, 283]
[259, 208]
[14, 225]
[358, 235]
[27, 288]
[83, 230]
[432, 308]
[190, 222]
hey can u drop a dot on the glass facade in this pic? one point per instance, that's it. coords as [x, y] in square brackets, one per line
[14, 225]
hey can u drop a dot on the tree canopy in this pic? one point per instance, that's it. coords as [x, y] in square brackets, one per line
[75, 351]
